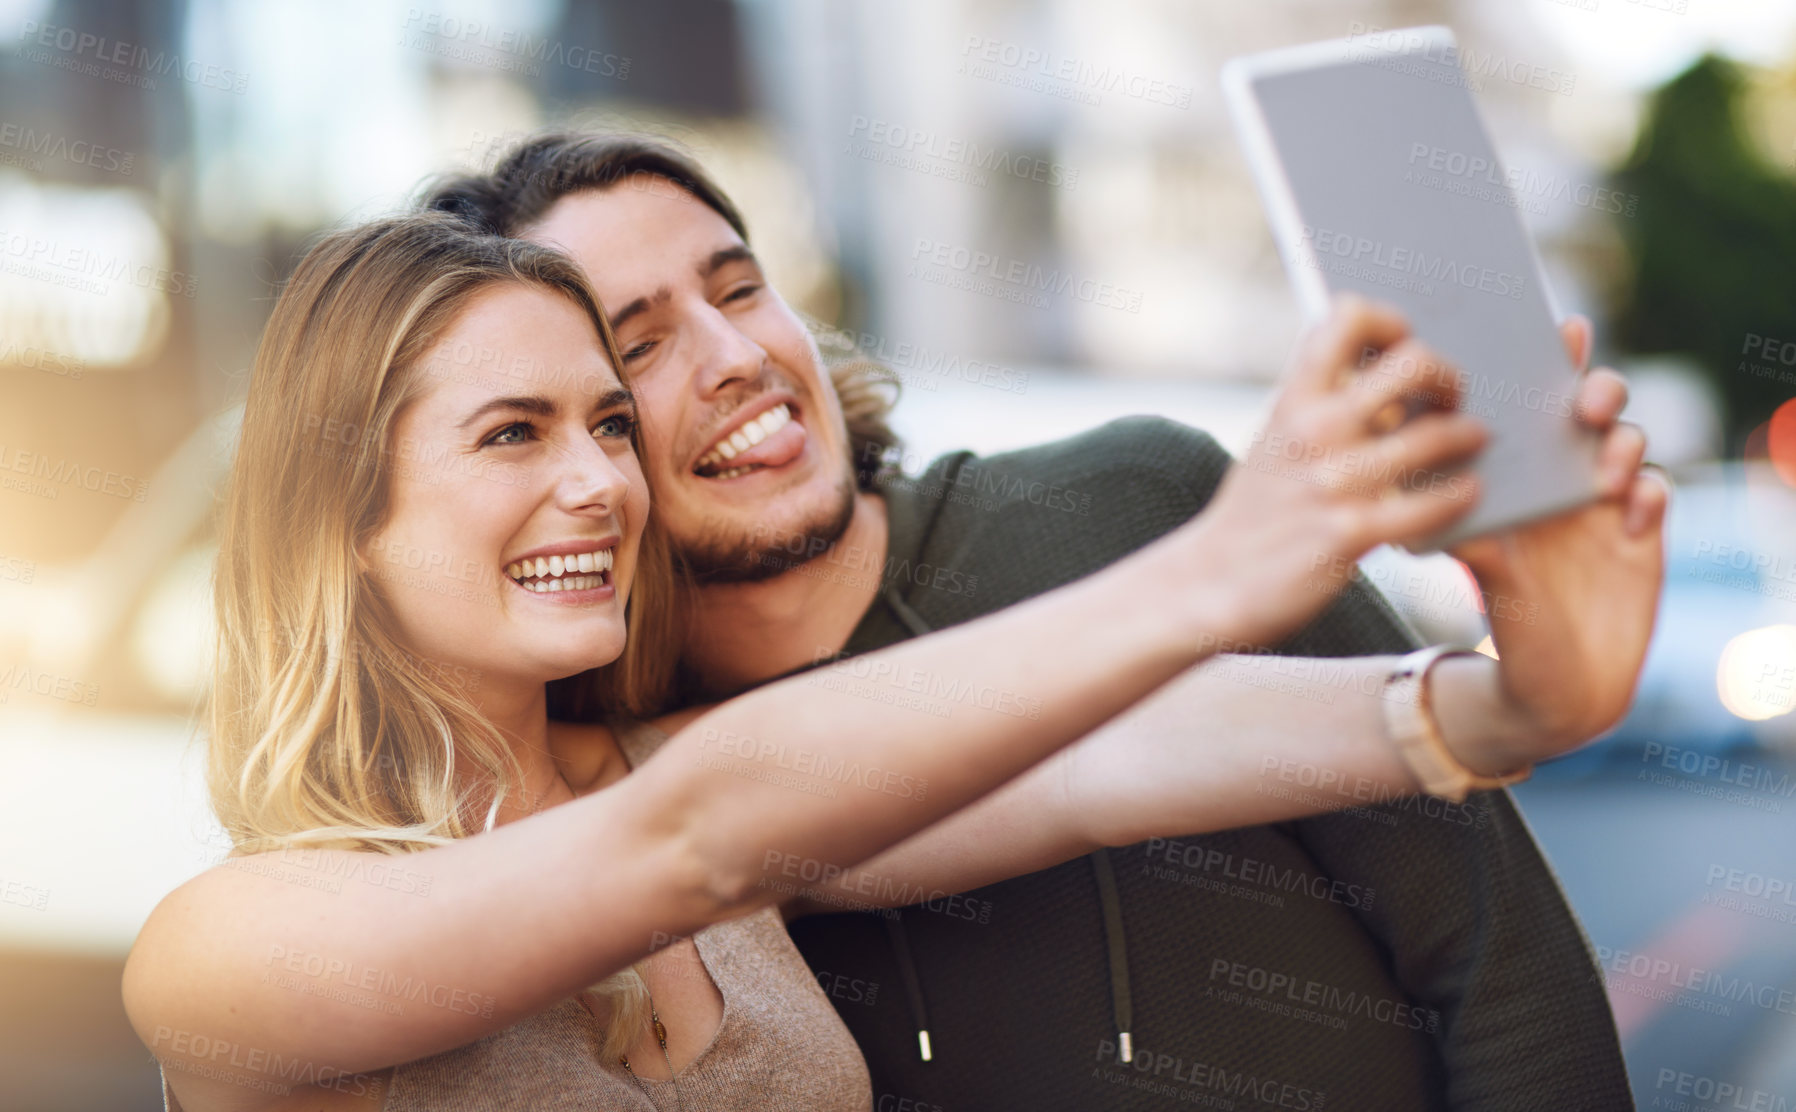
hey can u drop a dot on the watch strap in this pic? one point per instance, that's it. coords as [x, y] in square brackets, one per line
[1411, 725]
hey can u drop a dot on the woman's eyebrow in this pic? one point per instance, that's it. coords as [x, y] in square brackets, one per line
[534, 404]
[616, 398]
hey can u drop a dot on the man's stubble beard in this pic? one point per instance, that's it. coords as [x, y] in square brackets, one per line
[755, 557]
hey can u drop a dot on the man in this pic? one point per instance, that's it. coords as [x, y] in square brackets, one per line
[1407, 955]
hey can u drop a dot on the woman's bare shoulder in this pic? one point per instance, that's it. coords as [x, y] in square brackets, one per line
[590, 755]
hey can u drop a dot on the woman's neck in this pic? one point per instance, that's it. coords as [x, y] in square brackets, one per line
[520, 712]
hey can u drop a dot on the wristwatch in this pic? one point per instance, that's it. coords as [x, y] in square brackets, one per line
[1410, 723]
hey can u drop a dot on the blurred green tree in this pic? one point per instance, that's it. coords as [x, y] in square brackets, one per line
[1713, 245]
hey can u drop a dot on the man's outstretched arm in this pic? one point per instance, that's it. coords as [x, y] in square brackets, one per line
[1474, 921]
[1571, 603]
[1476, 927]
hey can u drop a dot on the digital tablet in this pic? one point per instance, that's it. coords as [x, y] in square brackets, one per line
[1378, 177]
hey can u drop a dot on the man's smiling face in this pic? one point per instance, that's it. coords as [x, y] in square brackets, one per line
[746, 448]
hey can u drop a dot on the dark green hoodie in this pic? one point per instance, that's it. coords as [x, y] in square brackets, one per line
[1414, 955]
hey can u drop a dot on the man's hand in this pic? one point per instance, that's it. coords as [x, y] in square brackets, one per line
[1572, 598]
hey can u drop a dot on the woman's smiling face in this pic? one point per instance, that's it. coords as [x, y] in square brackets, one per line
[515, 503]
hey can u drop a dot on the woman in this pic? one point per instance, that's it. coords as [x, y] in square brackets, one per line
[435, 513]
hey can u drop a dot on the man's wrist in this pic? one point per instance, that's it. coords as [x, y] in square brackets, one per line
[1412, 727]
[1479, 723]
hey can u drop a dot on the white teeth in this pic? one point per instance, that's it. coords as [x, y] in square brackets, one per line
[746, 437]
[565, 583]
[559, 573]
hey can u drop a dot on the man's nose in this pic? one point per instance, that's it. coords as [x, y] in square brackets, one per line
[728, 356]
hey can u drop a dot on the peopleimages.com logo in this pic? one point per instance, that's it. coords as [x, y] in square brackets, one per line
[1331, 249]
[121, 62]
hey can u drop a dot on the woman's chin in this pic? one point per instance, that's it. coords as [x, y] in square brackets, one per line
[585, 658]
[542, 659]
[570, 673]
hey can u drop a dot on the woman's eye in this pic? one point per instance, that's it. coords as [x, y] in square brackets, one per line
[617, 425]
[511, 434]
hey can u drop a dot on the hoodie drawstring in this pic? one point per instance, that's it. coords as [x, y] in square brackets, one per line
[907, 966]
[1121, 1002]
[1122, 1005]
[913, 985]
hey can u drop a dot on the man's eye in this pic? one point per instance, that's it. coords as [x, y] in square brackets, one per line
[616, 425]
[638, 351]
[741, 292]
[512, 434]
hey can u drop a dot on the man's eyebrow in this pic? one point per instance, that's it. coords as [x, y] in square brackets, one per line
[716, 261]
[528, 403]
[722, 258]
[640, 305]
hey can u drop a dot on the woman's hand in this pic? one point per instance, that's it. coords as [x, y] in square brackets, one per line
[1338, 469]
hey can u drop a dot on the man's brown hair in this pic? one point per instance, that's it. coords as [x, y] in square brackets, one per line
[544, 168]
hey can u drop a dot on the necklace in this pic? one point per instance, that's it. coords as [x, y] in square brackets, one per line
[660, 1037]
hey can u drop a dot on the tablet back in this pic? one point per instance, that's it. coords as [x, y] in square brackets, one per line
[1379, 178]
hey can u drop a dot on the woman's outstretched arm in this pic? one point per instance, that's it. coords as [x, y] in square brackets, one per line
[332, 961]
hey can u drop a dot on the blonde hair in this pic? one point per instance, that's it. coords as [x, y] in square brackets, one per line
[325, 731]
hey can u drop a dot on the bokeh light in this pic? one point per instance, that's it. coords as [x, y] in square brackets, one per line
[1756, 673]
[1780, 441]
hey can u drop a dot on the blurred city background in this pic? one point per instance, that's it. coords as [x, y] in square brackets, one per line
[163, 162]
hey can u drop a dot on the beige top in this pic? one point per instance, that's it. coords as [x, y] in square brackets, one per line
[780, 1044]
